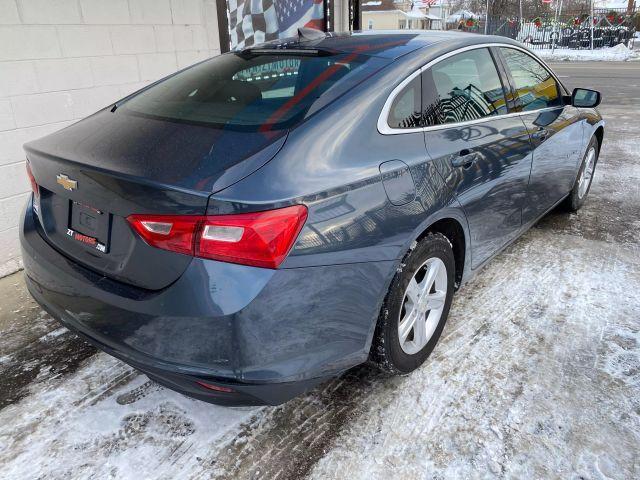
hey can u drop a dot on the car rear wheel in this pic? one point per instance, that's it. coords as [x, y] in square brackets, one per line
[582, 185]
[416, 308]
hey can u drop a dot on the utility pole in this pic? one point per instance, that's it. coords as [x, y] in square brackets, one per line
[592, 19]
[521, 19]
[558, 14]
[486, 19]
[555, 26]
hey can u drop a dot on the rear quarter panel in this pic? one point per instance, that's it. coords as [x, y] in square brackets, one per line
[331, 163]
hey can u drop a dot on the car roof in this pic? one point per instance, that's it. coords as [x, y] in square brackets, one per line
[390, 44]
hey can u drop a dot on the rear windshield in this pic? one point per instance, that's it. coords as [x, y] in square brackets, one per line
[259, 92]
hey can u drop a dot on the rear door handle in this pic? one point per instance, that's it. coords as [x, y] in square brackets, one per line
[465, 159]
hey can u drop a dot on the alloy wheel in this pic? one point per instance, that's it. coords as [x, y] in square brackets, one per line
[587, 172]
[422, 306]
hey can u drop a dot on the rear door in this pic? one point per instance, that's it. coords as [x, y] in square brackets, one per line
[483, 152]
[554, 128]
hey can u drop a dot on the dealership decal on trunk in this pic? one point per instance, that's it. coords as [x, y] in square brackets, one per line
[87, 240]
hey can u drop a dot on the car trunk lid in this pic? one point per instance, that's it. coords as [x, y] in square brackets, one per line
[94, 174]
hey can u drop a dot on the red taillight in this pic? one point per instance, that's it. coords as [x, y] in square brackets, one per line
[261, 239]
[168, 232]
[34, 185]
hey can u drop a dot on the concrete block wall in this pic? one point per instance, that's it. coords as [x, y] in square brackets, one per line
[61, 60]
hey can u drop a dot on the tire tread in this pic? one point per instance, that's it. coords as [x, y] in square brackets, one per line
[379, 355]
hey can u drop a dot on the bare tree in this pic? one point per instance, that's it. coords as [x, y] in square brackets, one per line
[511, 8]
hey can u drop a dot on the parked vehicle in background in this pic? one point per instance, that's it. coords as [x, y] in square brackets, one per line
[530, 33]
[266, 219]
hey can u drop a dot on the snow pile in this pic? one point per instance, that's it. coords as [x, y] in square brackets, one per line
[619, 53]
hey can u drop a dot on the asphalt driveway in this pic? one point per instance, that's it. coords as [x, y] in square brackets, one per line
[537, 374]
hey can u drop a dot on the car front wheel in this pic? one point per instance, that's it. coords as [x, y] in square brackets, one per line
[416, 307]
[581, 187]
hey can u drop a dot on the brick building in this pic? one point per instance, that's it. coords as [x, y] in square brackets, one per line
[61, 60]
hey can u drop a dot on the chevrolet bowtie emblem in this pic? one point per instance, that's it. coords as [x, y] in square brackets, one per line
[66, 182]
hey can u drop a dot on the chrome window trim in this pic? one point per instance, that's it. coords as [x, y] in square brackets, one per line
[385, 129]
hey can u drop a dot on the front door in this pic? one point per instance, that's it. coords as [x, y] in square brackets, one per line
[483, 153]
[555, 131]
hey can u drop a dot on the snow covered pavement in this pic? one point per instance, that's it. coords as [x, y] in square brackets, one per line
[536, 377]
[619, 53]
[537, 374]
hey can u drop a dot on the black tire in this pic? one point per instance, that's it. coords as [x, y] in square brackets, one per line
[574, 201]
[386, 351]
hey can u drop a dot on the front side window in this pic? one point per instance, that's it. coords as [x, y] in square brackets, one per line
[406, 108]
[535, 85]
[253, 91]
[463, 87]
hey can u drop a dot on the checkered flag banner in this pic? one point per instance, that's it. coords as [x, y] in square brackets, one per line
[257, 21]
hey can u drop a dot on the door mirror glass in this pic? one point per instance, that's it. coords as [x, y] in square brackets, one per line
[583, 97]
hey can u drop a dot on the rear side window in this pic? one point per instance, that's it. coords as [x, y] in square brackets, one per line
[253, 91]
[406, 108]
[535, 85]
[463, 87]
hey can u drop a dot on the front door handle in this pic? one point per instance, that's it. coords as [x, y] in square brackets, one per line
[541, 134]
[465, 159]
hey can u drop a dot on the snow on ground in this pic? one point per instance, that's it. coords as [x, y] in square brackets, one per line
[619, 53]
[537, 374]
[108, 421]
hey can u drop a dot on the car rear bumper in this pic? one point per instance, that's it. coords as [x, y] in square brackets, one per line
[267, 335]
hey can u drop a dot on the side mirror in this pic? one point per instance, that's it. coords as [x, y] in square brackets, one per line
[585, 98]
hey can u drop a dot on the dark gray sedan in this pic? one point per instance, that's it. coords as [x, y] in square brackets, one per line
[252, 225]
